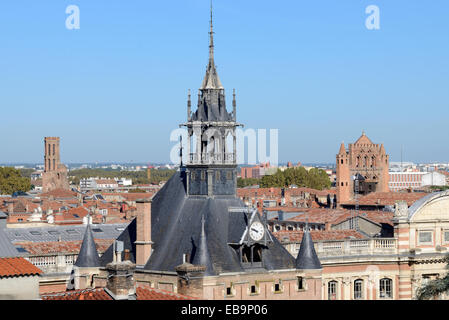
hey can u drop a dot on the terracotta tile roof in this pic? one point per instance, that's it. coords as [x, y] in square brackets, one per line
[143, 292]
[388, 198]
[12, 267]
[58, 193]
[335, 216]
[296, 236]
[67, 247]
[86, 294]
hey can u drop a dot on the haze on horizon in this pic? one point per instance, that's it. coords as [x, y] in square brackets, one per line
[114, 89]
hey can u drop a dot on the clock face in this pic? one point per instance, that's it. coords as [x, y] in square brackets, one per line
[256, 231]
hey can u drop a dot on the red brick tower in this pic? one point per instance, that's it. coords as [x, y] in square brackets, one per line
[55, 173]
[343, 176]
[367, 159]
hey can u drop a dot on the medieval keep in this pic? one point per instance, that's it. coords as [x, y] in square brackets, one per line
[361, 170]
[195, 237]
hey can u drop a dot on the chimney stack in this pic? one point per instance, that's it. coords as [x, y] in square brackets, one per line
[121, 284]
[143, 225]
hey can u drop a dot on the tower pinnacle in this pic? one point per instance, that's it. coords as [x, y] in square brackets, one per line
[211, 80]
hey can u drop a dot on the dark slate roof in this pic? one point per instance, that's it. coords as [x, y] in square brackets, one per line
[7, 249]
[201, 253]
[176, 230]
[88, 256]
[3, 215]
[128, 236]
[63, 233]
[307, 257]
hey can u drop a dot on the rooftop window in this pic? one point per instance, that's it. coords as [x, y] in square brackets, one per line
[97, 230]
[71, 231]
[35, 233]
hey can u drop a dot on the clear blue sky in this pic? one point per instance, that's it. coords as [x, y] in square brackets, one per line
[114, 89]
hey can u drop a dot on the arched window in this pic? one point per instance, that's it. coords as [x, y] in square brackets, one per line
[373, 162]
[332, 290]
[385, 288]
[358, 289]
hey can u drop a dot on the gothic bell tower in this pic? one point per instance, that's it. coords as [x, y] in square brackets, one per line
[211, 142]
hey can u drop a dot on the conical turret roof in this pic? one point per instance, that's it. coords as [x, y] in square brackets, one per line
[202, 253]
[88, 256]
[307, 257]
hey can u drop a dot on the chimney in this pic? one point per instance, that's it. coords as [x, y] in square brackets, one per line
[190, 279]
[143, 225]
[121, 284]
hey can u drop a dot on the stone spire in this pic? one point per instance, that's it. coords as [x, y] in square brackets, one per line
[307, 257]
[211, 80]
[88, 256]
[202, 256]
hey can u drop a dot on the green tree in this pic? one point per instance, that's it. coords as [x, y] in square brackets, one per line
[314, 178]
[435, 287]
[12, 181]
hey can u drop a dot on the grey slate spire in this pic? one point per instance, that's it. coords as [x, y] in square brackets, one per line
[202, 253]
[88, 256]
[307, 257]
[211, 80]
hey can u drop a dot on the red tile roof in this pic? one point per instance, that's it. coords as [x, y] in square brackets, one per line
[388, 198]
[296, 236]
[67, 247]
[13, 267]
[143, 292]
[335, 216]
[58, 193]
[85, 294]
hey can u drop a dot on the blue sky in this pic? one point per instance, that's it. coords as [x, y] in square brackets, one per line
[114, 89]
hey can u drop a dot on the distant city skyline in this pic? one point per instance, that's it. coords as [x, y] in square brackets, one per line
[114, 89]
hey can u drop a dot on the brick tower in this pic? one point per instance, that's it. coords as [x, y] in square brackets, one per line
[55, 173]
[367, 159]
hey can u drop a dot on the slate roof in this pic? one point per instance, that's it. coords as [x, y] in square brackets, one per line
[307, 258]
[88, 256]
[63, 233]
[176, 225]
[7, 249]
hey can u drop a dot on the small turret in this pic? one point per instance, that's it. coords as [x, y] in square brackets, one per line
[307, 258]
[202, 257]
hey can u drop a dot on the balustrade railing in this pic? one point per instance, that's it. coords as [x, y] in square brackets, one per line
[352, 247]
[212, 158]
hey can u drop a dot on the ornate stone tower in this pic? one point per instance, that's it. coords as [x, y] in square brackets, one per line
[211, 164]
[55, 173]
[367, 159]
